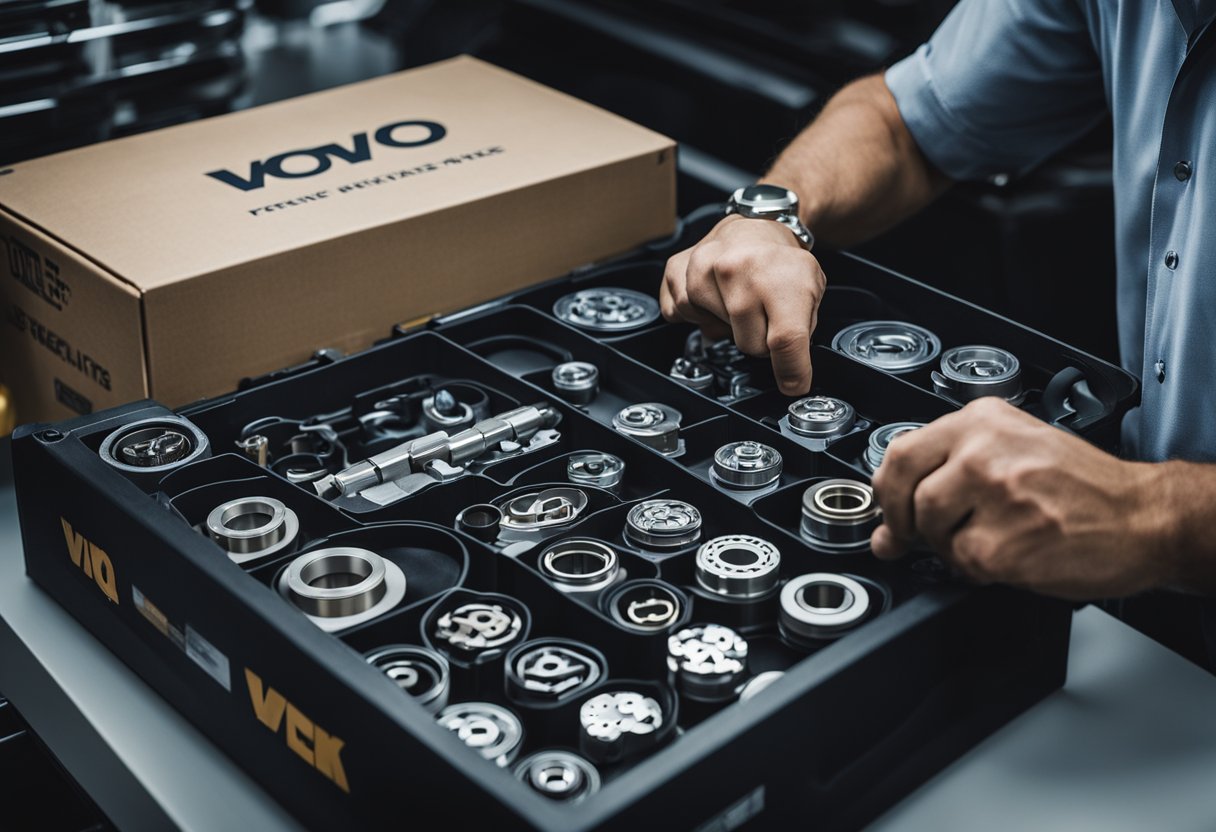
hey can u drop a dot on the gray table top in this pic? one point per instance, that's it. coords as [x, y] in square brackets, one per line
[1128, 744]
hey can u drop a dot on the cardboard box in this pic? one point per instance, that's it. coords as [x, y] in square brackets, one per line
[174, 263]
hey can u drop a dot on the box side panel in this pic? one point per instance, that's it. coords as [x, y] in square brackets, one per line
[204, 335]
[71, 339]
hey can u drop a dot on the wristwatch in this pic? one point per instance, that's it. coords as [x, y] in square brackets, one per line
[771, 202]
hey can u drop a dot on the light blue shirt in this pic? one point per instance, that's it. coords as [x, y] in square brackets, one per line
[1005, 83]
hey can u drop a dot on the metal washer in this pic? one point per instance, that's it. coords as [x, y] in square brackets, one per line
[381, 588]
[607, 309]
[893, 346]
[839, 514]
[580, 564]
[841, 603]
[244, 542]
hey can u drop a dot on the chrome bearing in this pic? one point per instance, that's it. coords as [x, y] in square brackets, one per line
[249, 528]
[820, 419]
[758, 683]
[738, 566]
[153, 446]
[880, 439]
[580, 564]
[707, 662]
[652, 424]
[559, 775]
[746, 465]
[535, 511]
[421, 672]
[341, 586]
[821, 605]
[646, 605]
[598, 469]
[576, 381]
[492, 731]
[839, 514]
[618, 724]
[553, 669]
[663, 524]
[607, 309]
[893, 346]
[477, 627]
[691, 374]
[969, 373]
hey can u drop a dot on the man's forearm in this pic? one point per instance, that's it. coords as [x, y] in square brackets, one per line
[856, 168]
[1183, 498]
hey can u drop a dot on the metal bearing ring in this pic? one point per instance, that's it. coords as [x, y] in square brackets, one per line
[252, 527]
[738, 566]
[646, 605]
[576, 381]
[707, 662]
[820, 418]
[691, 374]
[653, 424]
[663, 524]
[880, 439]
[341, 586]
[617, 724]
[746, 465]
[553, 669]
[599, 469]
[839, 514]
[477, 627]
[607, 309]
[491, 730]
[580, 564]
[973, 372]
[559, 775]
[821, 605]
[153, 446]
[893, 346]
[421, 672]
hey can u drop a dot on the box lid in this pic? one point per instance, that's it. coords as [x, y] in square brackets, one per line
[163, 207]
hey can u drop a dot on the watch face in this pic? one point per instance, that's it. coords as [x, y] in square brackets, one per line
[765, 199]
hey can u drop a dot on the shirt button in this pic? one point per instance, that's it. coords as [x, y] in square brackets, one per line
[1182, 171]
[1171, 260]
[1160, 367]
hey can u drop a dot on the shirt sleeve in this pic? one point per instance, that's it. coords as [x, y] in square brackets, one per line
[1000, 86]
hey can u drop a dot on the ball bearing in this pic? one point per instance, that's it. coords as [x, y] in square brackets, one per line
[738, 566]
[559, 775]
[821, 606]
[663, 525]
[577, 382]
[340, 586]
[249, 528]
[153, 446]
[654, 425]
[893, 346]
[839, 514]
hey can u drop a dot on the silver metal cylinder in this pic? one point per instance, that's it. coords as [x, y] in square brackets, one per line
[663, 524]
[340, 586]
[577, 382]
[972, 372]
[738, 566]
[746, 465]
[881, 438]
[893, 346]
[839, 514]
[821, 417]
[252, 527]
[653, 424]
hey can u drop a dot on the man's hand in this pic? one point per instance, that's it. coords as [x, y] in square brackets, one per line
[750, 279]
[1007, 498]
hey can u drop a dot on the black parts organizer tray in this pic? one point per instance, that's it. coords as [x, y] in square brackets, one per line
[858, 717]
